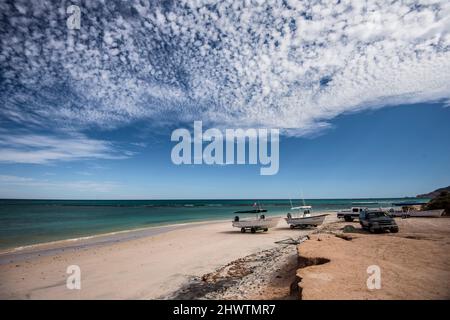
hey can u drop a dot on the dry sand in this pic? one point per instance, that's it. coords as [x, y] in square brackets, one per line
[148, 267]
[414, 263]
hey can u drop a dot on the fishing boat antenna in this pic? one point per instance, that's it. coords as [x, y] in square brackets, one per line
[303, 198]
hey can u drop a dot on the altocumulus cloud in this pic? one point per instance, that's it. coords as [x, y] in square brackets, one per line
[287, 64]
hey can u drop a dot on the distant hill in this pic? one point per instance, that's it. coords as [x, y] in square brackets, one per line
[434, 193]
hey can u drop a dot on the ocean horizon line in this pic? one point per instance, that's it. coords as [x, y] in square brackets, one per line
[207, 199]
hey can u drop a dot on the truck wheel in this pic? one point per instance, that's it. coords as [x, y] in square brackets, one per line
[348, 219]
[394, 230]
[253, 230]
[372, 229]
[265, 230]
[292, 226]
[243, 230]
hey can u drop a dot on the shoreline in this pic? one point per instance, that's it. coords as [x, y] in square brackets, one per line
[107, 234]
[97, 235]
[101, 239]
[33, 246]
[56, 244]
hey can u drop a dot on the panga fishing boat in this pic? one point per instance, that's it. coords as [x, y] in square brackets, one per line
[260, 222]
[413, 209]
[416, 214]
[303, 217]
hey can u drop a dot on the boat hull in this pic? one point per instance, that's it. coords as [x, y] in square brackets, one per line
[252, 211]
[307, 221]
[256, 223]
[420, 214]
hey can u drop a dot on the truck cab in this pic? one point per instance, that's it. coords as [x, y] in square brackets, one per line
[377, 221]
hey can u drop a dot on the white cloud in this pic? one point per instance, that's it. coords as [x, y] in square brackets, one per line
[85, 186]
[40, 149]
[8, 179]
[287, 64]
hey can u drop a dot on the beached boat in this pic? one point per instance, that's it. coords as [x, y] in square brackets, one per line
[416, 214]
[260, 222]
[252, 211]
[409, 203]
[303, 218]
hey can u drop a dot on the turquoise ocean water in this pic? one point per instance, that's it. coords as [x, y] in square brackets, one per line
[26, 222]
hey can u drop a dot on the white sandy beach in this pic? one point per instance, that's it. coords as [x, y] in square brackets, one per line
[144, 268]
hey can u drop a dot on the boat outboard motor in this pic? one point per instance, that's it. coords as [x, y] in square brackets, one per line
[236, 219]
[289, 215]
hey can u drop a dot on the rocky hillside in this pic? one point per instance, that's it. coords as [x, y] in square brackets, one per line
[434, 193]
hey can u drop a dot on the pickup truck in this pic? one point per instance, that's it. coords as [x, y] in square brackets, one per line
[377, 221]
[350, 215]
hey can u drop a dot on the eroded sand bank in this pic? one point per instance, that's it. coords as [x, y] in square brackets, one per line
[414, 263]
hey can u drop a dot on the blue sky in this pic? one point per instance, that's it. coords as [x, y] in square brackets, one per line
[392, 152]
[359, 91]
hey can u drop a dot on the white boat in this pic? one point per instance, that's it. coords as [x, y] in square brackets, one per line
[419, 214]
[255, 224]
[260, 222]
[303, 218]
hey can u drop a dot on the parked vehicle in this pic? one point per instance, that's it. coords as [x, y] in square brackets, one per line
[377, 221]
[350, 215]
